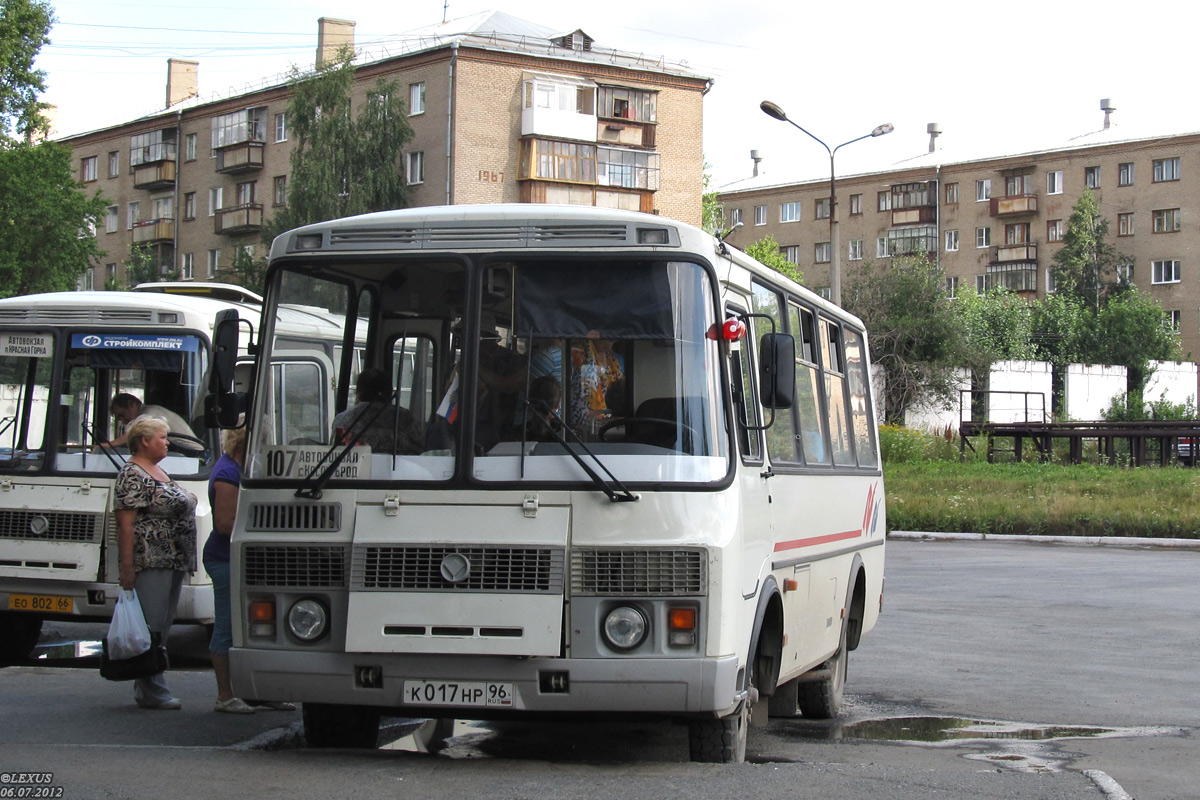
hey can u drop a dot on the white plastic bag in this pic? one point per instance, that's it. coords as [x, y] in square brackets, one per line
[128, 635]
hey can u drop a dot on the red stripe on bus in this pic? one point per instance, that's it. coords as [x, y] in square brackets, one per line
[833, 537]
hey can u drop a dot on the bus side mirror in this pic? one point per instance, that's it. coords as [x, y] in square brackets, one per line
[777, 370]
[223, 405]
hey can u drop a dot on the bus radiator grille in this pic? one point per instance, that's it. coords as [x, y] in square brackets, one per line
[50, 526]
[295, 517]
[638, 573]
[417, 568]
[295, 566]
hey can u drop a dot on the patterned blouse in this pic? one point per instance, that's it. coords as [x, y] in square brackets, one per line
[164, 531]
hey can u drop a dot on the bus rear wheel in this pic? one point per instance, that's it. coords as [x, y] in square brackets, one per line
[338, 726]
[19, 634]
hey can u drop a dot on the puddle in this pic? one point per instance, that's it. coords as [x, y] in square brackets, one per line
[56, 651]
[947, 729]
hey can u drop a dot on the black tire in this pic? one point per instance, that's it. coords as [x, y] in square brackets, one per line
[336, 726]
[822, 698]
[19, 634]
[785, 701]
[721, 740]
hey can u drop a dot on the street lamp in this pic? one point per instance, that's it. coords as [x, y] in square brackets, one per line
[835, 255]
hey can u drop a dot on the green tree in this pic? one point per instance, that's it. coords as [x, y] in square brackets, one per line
[712, 213]
[1059, 324]
[342, 164]
[917, 336]
[47, 224]
[766, 252]
[250, 270]
[1129, 330]
[1085, 265]
[998, 325]
[142, 267]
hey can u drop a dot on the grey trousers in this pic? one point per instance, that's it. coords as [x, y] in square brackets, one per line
[158, 593]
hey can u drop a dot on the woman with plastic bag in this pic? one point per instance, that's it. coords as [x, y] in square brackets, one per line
[156, 541]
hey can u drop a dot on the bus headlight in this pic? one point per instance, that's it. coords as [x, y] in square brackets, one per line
[307, 620]
[624, 628]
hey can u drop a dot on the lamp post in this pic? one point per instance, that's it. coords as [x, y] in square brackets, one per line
[835, 254]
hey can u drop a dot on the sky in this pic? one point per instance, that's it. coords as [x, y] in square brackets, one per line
[998, 78]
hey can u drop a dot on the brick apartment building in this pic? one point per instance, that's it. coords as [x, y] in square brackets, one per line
[996, 222]
[502, 110]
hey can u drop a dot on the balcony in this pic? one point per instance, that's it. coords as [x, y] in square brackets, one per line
[241, 157]
[1016, 204]
[1010, 253]
[246, 218]
[921, 215]
[154, 175]
[154, 231]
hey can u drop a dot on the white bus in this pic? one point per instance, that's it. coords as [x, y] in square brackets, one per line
[700, 538]
[63, 357]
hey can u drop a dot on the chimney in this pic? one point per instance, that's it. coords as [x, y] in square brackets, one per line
[1107, 107]
[934, 130]
[756, 157]
[182, 81]
[332, 35]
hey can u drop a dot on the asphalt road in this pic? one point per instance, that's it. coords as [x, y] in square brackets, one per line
[997, 671]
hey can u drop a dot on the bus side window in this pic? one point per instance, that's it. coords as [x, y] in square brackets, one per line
[745, 400]
[835, 394]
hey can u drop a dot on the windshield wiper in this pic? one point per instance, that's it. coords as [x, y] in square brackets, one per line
[105, 447]
[546, 414]
[324, 469]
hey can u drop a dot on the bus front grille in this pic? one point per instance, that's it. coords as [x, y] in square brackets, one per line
[638, 573]
[295, 517]
[295, 566]
[445, 568]
[50, 526]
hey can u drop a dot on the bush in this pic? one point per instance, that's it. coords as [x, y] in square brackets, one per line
[900, 445]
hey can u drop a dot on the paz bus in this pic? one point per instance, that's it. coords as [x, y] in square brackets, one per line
[63, 357]
[622, 469]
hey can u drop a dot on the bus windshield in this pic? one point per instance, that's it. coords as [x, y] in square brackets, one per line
[517, 370]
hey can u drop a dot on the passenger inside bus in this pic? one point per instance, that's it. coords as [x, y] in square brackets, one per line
[375, 420]
[126, 407]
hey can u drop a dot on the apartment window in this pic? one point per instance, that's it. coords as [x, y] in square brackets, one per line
[983, 190]
[789, 212]
[240, 126]
[1091, 177]
[1051, 284]
[981, 283]
[246, 193]
[187, 266]
[822, 208]
[280, 191]
[856, 250]
[1166, 169]
[951, 241]
[1166, 220]
[244, 254]
[735, 216]
[856, 204]
[281, 126]
[1125, 224]
[912, 239]
[1165, 271]
[952, 287]
[1125, 271]
[821, 252]
[134, 215]
[631, 104]
[189, 147]
[760, 215]
[110, 275]
[881, 247]
[215, 199]
[416, 98]
[983, 237]
[1054, 230]
[1125, 174]
[214, 262]
[951, 193]
[114, 163]
[1172, 320]
[884, 201]
[1054, 182]
[1017, 233]
[87, 169]
[416, 167]
[1017, 186]
[112, 219]
[791, 253]
[152, 147]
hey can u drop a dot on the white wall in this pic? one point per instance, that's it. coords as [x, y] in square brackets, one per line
[935, 419]
[1091, 388]
[1175, 381]
[1020, 391]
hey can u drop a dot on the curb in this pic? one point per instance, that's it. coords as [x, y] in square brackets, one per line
[1128, 542]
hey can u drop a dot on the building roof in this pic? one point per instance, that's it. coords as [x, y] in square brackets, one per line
[486, 30]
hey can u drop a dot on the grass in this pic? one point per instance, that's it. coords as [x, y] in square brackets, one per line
[929, 491]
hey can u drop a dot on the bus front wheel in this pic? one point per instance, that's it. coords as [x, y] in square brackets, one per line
[337, 726]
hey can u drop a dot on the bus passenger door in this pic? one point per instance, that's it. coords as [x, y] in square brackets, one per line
[299, 399]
